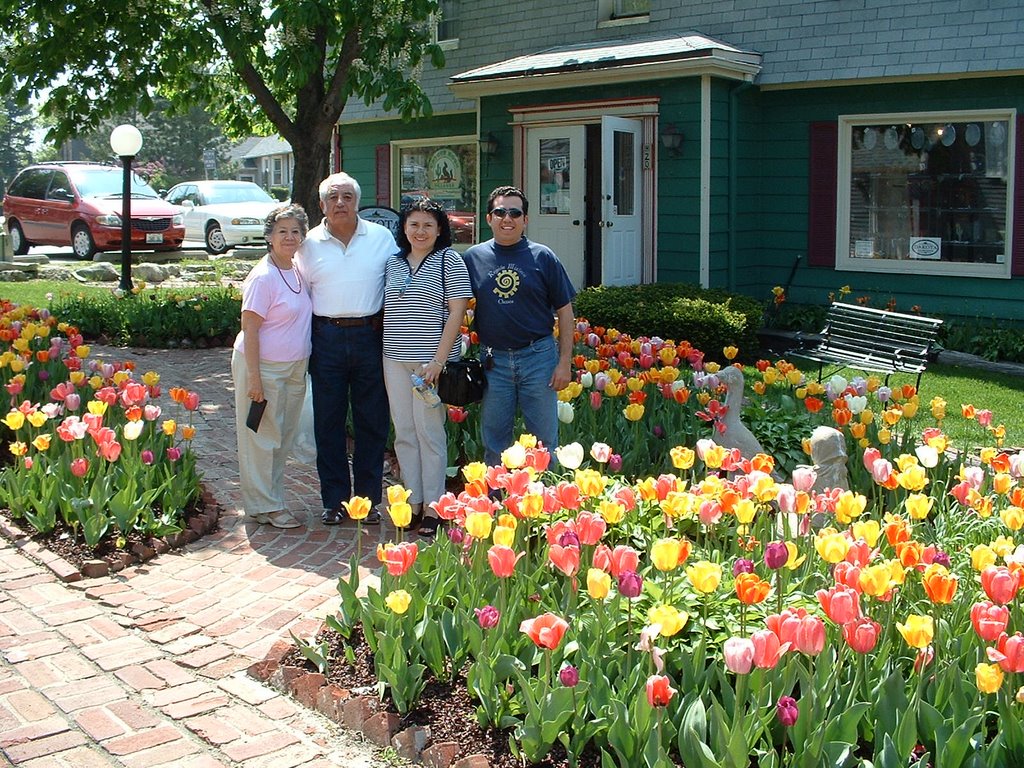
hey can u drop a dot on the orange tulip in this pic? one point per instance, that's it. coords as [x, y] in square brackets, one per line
[546, 631]
[939, 585]
[659, 691]
[751, 589]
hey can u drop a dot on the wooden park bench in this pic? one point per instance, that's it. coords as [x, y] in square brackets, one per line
[873, 340]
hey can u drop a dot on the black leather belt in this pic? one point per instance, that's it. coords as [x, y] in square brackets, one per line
[345, 322]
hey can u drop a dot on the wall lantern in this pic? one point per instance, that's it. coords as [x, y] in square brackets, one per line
[672, 139]
[489, 145]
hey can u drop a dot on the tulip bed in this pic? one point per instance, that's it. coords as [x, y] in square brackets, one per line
[675, 603]
[92, 450]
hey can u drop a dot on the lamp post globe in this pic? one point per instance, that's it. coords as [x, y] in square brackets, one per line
[126, 141]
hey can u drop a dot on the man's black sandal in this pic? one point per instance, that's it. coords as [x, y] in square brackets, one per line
[333, 516]
[428, 527]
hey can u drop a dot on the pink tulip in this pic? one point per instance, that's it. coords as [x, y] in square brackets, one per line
[487, 617]
[590, 528]
[862, 634]
[840, 603]
[79, 467]
[810, 635]
[881, 469]
[787, 712]
[1009, 652]
[871, 455]
[1000, 583]
[739, 655]
[804, 478]
[989, 620]
[767, 648]
[503, 560]
[72, 401]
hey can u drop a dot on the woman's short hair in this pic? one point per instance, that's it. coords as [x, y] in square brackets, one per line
[435, 209]
[289, 211]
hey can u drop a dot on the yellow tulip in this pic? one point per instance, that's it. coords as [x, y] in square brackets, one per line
[358, 507]
[478, 524]
[15, 420]
[18, 448]
[532, 505]
[611, 511]
[918, 630]
[850, 505]
[831, 545]
[794, 377]
[1013, 518]
[398, 601]
[590, 481]
[682, 457]
[765, 488]
[868, 530]
[514, 456]
[527, 440]
[897, 573]
[982, 556]
[712, 367]
[95, 381]
[919, 505]
[120, 377]
[169, 427]
[507, 520]
[474, 472]
[770, 376]
[633, 412]
[730, 352]
[867, 416]
[892, 415]
[884, 436]
[795, 558]
[77, 377]
[1003, 545]
[397, 494]
[714, 456]
[874, 579]
[913, 479]
[938, 406]
[97, 407]
[503, 536]
[42, 442]
[705, 576]
[1002, 482]
[665, 554]
[988, 677]
[37, 418]
[598, 583]
[744, 511]
[679, 505]
[668, 617]
[401, 514]
[910, 408]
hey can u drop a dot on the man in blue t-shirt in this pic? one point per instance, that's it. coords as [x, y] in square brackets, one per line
[520, 287]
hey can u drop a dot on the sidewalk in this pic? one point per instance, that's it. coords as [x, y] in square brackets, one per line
[146, 668]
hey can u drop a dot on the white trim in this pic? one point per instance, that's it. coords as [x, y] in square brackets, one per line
[583, 112]
[713, 64]
[944, 77]
[845, 263]
[705, 181]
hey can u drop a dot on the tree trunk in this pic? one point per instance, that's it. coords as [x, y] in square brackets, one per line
[312, 159]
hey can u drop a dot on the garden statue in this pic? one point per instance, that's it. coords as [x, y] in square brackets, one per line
[736, 434]
[828, 451]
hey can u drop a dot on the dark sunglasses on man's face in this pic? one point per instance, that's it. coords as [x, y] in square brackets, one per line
[501, 213]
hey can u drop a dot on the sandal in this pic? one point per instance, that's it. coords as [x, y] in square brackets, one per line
[429, 526]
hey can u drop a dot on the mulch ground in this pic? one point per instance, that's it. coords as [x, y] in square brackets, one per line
[445, 706]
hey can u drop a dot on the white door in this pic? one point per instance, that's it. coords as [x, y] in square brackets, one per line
[554, 185]
[621, 230]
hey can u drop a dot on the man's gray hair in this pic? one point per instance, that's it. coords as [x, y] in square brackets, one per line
[339, 180]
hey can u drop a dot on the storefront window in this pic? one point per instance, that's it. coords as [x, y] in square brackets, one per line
[444, 170]
[926, 194]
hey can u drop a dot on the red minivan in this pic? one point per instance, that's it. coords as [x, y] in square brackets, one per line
[79, 204]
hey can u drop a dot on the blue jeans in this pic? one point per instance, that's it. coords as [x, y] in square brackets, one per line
[346, 369]
[519, 378]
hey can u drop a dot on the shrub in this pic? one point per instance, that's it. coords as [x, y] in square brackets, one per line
[281, 193]
[990, 340]
[708, 319]
[156, 317]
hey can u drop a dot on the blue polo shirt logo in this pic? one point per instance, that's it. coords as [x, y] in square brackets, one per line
[506, 283]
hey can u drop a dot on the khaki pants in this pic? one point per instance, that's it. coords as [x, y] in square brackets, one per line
[262, 455]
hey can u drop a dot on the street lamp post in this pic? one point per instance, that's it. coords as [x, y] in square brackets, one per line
[126, 141]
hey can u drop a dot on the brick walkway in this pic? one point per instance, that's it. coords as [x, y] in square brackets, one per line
[146, 667]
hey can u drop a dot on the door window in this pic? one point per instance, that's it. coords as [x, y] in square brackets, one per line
[555, 189]
[624, 180]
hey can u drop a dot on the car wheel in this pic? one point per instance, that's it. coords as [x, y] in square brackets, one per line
[215, 242]
[18, 241]
[81, 242]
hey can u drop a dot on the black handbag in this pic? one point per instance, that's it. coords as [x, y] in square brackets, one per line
[461, 382]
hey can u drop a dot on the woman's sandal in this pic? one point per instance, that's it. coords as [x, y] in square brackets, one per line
[428, 526]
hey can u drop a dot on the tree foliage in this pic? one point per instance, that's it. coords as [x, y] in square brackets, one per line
[263, 65]
[15, 138]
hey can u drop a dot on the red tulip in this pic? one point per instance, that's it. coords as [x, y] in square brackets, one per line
[840, 603]
[546, 631]
[457, 415]
[1009, 652]
[1000, 583]
[989, 620]
[616, 561]
[503, 560]
[590, 527]
[767, 648]
[861, 634]
[398, 558]
[659, 691]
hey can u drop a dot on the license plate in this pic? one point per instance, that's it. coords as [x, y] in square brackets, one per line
[154, 237]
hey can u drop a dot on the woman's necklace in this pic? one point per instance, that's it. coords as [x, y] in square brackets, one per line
[298, 277]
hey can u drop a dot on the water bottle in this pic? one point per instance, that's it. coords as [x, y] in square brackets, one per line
[426, 393]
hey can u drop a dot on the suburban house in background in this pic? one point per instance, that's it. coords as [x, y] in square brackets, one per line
[264, 160]
[737, 145]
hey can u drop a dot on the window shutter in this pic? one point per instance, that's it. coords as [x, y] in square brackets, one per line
[1017, 242]
[384, 175]
[821, 205]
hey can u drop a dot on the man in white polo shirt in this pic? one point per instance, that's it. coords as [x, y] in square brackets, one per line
[342, 260]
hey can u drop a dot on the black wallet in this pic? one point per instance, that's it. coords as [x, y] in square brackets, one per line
[256, 409]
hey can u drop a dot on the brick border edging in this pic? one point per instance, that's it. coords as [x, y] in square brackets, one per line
[358, 713]
[199, 525]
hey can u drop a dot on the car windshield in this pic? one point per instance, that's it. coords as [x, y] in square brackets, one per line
[235, 193]
[105, 182]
